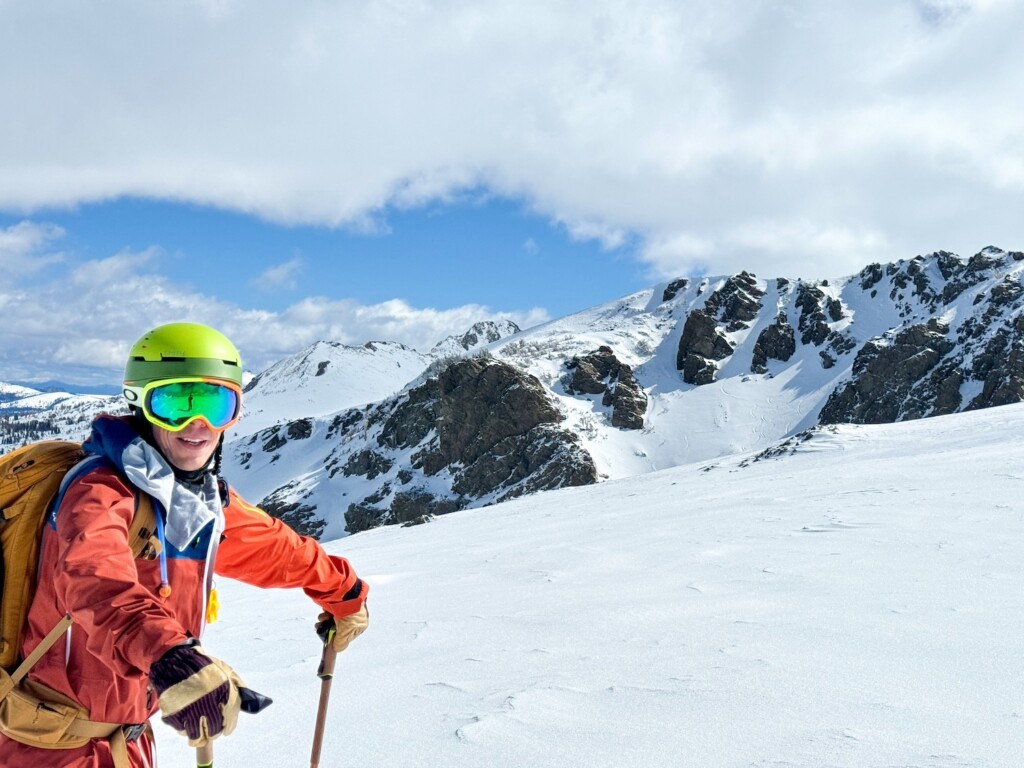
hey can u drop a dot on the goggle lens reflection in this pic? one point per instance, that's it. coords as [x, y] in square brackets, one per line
[175, 404]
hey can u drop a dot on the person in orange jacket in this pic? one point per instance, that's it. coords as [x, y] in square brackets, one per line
[133, 646]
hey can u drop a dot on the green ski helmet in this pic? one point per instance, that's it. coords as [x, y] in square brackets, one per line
[178, 350]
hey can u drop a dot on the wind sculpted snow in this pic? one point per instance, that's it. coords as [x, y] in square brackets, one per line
[851, 598]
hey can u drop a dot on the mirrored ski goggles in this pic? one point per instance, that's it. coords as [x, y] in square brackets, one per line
[175, 403]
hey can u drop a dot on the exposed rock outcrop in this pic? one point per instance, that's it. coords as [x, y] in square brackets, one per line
[818, 311]
[885, 373]
[484, 428]
[368, 463]
[602, 373]
[776, 342]
[406, 507]
[699, 347]
[672, 289]
[736, 303]
[963, 277]
[300, 516]
[1000, 367]
[871, 276]
[813, 324]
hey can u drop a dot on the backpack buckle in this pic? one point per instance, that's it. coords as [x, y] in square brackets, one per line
[133, 732]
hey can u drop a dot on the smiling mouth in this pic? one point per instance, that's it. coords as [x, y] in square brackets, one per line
[192, 442]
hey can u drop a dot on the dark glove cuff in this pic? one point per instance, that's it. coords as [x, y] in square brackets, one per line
[354, 591]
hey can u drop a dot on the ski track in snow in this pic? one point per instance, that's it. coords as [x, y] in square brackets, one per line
[854, 602]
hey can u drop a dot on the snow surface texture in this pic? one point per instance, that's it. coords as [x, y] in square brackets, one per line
[852, 598]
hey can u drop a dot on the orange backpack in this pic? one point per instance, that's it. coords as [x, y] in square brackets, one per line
[30, 480]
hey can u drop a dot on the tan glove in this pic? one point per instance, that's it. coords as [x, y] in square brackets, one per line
[339, 632]
[198, 694]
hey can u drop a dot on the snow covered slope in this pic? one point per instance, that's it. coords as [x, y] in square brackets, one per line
[10, 392]
[325, 378]
[849, 598]
[27, 415]
[975, 306]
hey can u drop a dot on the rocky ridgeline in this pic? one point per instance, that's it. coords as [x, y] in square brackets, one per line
[956, 344]
[479, 335]
[974, 359]
[819, 315]
[709, 333]
[885, 375]
[479, 432]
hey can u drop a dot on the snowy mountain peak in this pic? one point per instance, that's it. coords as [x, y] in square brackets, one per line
[478, 336]
[327, 377]
[9, 392]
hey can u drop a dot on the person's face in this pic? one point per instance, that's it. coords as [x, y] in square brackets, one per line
[191, 448]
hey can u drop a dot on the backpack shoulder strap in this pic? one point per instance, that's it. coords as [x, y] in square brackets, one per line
[85, 464]
[142, 529]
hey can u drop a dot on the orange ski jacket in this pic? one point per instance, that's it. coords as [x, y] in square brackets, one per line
[122, 624]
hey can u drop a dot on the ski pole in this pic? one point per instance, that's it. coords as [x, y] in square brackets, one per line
[204, 756]
[326, 674]
[251, 702]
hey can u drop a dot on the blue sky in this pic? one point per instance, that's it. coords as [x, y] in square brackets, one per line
[103, 273]
[479, 250]
[400, 169]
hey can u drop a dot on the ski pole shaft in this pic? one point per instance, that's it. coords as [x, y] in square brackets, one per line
[204, 756]
[326, 675]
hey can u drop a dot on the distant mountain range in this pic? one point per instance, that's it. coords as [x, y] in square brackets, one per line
[62, 386]
[343, 438]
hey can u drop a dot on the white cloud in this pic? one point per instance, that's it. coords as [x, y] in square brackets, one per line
[846, 249]
[674, 255]
[25, 248]
[80, 325]
[350, 322]
[609, 237]
[281, 276]
[116, 272]
[92, 353]
[898, 123]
